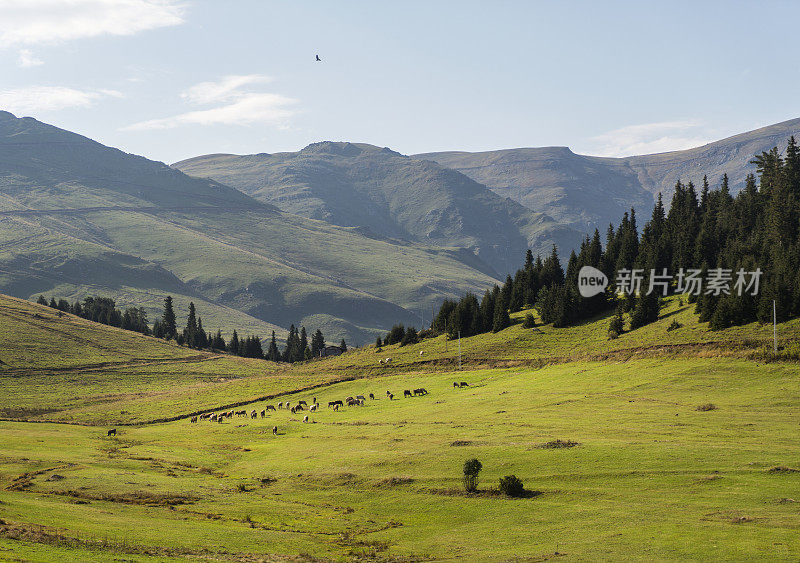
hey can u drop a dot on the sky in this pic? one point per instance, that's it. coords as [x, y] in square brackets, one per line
[174, 79]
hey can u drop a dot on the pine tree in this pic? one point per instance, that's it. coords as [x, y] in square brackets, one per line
[272, 351]
[190, 331]
[168, 319]
[501, 318]
[233, 345]
[317, 343]
[343, 345]
[41, 300]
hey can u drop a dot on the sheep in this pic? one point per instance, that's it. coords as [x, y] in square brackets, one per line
[274, 430]
[280, 405]
[313, 407]
[422, 352]
[305, 418]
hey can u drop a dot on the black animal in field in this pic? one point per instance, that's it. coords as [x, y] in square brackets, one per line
[112, 432]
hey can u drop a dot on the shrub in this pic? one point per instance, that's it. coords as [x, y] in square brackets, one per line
[511, 486]
[471, 469]
[529, 322]
[707, 407]
[674, 325]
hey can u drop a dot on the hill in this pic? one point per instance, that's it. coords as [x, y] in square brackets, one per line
[389, 195]
[627, 449]
[588, 192]
[59, 367]
[79, 218]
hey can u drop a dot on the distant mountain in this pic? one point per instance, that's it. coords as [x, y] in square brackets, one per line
[585, 192]
[389, 195]
[79, 218]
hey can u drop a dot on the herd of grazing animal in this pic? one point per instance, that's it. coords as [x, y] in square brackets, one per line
[357, 401]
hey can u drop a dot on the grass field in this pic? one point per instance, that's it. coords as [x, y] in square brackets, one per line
[651, 477]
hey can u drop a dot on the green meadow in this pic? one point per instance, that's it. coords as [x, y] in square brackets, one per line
[659, 445]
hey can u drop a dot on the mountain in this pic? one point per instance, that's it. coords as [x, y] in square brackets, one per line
[388, 195]
[78, 218]
[585, 192]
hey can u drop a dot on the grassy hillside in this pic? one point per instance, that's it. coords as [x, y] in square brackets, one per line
[588, 192]
[78, 218]
[650, 475]
[56, 366]
[389, 195]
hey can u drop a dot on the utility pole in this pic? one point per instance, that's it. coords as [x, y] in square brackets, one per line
[459, 350]
[774, 327]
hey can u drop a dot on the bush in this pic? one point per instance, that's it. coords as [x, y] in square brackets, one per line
[471, 469]
[511, 486]
[529, 322]
[674, 325]
[707, 407]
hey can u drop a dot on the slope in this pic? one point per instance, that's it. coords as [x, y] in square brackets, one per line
[79, 218]
[588, 192]
[389, 195]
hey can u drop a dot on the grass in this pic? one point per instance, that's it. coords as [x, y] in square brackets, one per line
[650, 477]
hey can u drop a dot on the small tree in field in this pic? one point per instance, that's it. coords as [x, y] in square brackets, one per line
[511, 485]
[471, 469]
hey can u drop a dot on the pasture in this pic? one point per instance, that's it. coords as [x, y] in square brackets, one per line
[651, 476]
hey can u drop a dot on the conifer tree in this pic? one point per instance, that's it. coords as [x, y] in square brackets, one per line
[168, 319]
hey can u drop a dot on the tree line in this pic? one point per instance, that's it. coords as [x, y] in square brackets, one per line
[711, 232]
[103, 310]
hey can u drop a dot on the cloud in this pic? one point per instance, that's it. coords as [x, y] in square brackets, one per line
[648, 138]
[27, 59]
[37, 22]
[226, 89]
[35, 99]
[234, 105]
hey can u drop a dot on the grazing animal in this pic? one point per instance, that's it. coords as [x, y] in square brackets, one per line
[313, 407]
[388, 393]
[388, 360]
[213, 417]
[420, 391]
[280, 405]
[463, 384]
[406, 393]
[112, 432]
[391, 396]
[361, 397]
[305, 418]
[193, 419]
[315, 400]
[287, 404]
[220, 418]
[274, 430]
[372, 396]
[455, 384]
[422, 352]
[336, 407]
[270, 408]
[348, 399]
[302, 403]
[254, 414]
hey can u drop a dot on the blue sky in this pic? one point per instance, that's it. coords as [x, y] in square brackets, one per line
[170, 80]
